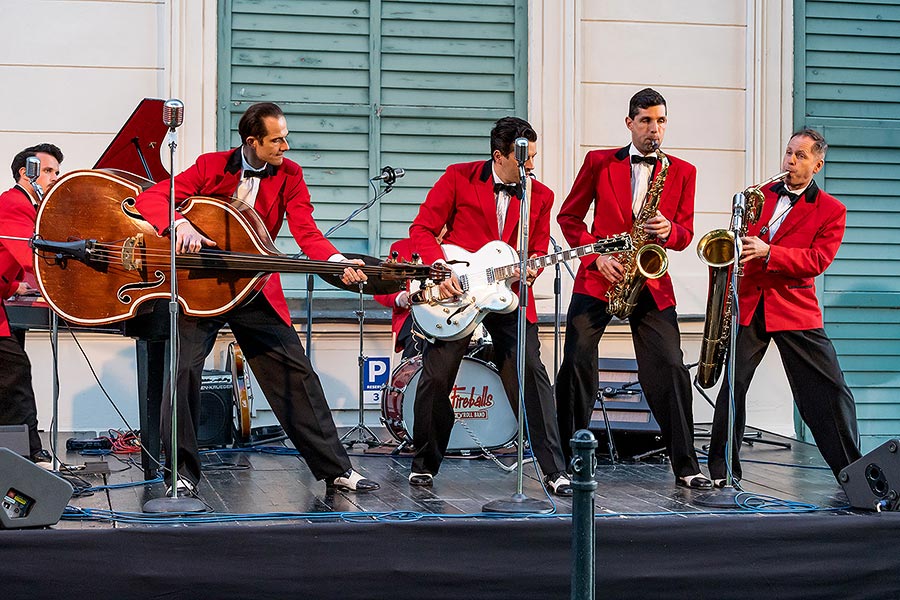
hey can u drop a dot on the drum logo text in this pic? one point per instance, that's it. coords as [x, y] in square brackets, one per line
[463, 399]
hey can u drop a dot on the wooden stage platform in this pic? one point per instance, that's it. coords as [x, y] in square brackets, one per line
[276, 532]
[273, 479]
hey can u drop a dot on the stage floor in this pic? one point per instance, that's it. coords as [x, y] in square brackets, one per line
[271, 480]
[652, 539]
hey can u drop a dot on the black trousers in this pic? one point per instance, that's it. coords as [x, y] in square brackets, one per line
[413, 345]
[434, 416]
[817, 384]
[17, 404]
[283, 373]
[664, 378]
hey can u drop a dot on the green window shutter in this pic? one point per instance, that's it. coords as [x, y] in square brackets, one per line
[848, 87]
[414, 85]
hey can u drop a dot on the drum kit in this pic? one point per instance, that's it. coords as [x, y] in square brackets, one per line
[485, 420]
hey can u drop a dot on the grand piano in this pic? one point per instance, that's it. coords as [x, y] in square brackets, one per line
[136, 150]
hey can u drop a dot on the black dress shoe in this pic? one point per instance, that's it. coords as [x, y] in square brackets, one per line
[43, 459]
[559, 484]
[694, 482]
[352, 481]
[421, 479]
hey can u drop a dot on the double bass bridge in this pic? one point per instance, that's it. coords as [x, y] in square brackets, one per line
[129, 260]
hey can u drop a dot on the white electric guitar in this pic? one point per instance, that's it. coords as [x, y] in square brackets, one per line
[485, 287]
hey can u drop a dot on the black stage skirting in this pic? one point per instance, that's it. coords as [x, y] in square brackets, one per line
[840, 556]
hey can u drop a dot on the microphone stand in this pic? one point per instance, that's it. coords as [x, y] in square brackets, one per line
[54, 331]
[364, 435]
[519, 503]
[726, 497]
[174, 504]
[557, 306]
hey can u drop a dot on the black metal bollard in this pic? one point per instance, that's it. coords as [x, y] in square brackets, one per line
[584, 463]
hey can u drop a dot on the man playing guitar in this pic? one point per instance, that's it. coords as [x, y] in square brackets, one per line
[478, 202]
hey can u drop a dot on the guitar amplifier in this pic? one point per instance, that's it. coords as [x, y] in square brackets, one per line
[631, 422]
[214, 429]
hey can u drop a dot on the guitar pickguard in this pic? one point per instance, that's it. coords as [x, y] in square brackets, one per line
[458, 318]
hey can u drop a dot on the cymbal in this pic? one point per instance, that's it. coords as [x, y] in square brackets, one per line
[374, 285]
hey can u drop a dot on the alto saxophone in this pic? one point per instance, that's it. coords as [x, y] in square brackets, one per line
[717, 250]
[645, 260]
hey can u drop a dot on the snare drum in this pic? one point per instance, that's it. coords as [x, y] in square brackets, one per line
[478, 399]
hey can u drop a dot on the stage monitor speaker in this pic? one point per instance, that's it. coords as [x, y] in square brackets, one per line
[29, 495]
[216, 405]
[15, 437]
[633, 426]
[873, 481]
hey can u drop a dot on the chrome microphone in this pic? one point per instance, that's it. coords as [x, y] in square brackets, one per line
[738, 205]
[32, 168]
[389, 175]
[32, 172]
[521, 151]
[173, 113]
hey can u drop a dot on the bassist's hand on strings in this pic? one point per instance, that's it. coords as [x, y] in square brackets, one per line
[188, 239]
[352, 275]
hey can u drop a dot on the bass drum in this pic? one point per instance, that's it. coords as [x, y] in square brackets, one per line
[484, 417]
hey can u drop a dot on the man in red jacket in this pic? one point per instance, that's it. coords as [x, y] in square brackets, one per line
[794, 240]
[478, 204]
[258, 174]
[614, 183]
[18, 211]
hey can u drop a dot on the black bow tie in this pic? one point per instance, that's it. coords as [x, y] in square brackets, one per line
[512, 189]
[650, 160]
[251, 173]
[780, 189]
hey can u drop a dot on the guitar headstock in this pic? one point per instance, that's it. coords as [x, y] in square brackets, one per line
[615, 243]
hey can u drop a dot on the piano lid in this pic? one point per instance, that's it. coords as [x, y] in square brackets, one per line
[135, 148]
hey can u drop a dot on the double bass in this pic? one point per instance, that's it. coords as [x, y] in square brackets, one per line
[98, 261]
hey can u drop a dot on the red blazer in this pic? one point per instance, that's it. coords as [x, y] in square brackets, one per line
[463, 200]
[404, 251]
[604, 182]
[282, 192]
[17, 217]
[804, 245]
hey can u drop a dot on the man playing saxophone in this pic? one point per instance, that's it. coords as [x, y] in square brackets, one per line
[795, 239]
[621, 185]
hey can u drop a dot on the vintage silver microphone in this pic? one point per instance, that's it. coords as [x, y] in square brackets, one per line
[173, 113]
[521, 151]
[32, 172]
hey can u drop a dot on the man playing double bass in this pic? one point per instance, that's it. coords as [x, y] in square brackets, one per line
[258, 174]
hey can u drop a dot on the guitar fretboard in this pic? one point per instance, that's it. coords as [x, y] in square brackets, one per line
[614, 244]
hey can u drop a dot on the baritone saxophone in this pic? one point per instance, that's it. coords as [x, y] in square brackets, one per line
[716, 250]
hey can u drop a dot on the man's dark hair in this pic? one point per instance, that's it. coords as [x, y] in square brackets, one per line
[645, 98]
[820, 146]
[251, 123]
[20, 158]
[505, 132]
